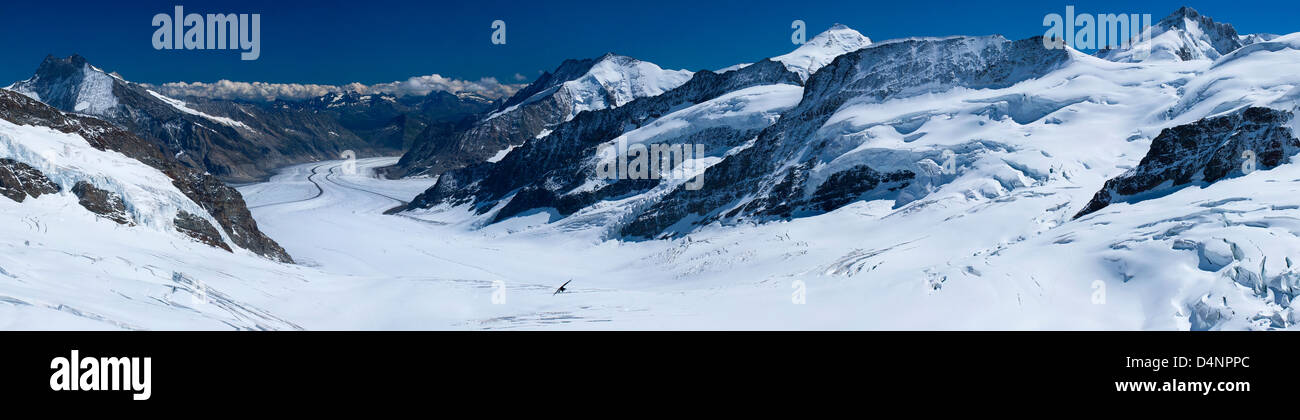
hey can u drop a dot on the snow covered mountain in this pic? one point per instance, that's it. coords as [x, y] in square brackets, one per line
[757, 170]
[722, 111]
[965, 182]
[118, 177]
[957, 160]
[1184, 35]
[554, 98]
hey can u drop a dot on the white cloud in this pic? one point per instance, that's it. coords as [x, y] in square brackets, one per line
[261, 91]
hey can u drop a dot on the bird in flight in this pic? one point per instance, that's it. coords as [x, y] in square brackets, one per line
[562, 289]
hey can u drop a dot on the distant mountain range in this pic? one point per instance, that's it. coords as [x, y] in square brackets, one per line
[241, 141]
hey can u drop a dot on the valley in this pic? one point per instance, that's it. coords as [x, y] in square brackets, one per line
[934, 183]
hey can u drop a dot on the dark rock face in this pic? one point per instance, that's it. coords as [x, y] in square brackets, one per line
[848, 186]
[1202, 153]
[224, 203]
[198, 228]
[18, 181]
[543, 171]
[227, 206]
[103, 203]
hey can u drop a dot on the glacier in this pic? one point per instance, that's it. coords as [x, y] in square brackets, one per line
[1001, 146]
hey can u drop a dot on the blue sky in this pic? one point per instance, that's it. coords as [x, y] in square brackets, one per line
[370, 41]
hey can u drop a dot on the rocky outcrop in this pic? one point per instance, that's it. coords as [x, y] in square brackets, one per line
[19, 181]
[198, 228]
[221, 201]
[1202, 153]
[103, 203]
[849, 185]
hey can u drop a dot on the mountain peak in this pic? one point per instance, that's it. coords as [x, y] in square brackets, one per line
[71, 84]
[822, 49]
[74, 59]
[627, 77]
[1187, 12]
[1184, 35]
[58, 68]
[1184, 15]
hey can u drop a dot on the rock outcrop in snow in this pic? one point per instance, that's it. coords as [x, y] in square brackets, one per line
[19, 180]
[1203, 153]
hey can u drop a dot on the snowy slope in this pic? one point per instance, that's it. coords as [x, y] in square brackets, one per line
[180, 106]
[66, 159]
[1027, 158]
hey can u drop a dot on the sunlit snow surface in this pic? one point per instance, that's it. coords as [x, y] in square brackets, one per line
[991, 247]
